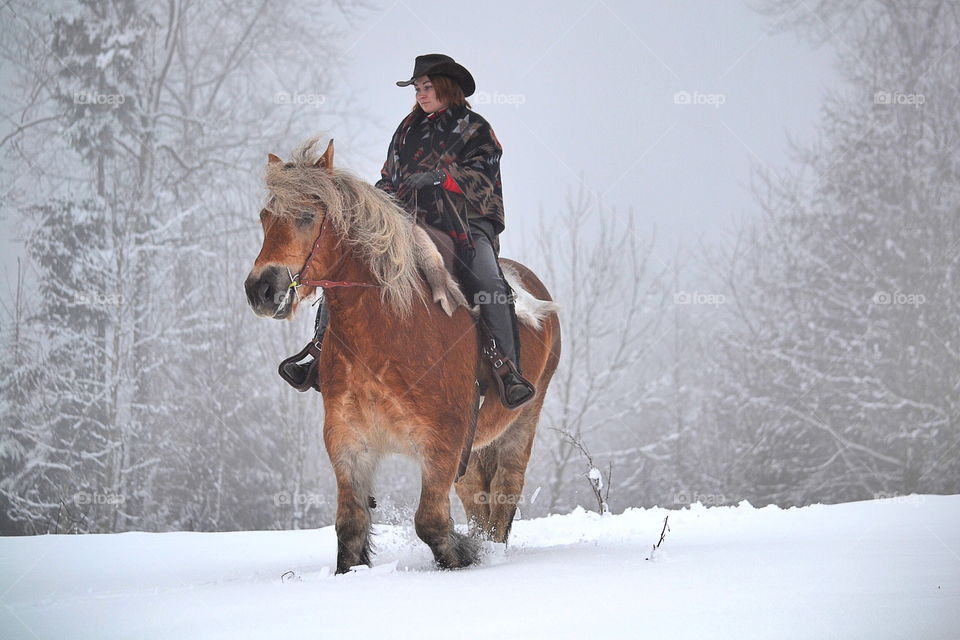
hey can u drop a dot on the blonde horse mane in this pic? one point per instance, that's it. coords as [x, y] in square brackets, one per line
[367, 218]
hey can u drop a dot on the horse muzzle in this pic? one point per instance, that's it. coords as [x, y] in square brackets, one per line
[269, 293]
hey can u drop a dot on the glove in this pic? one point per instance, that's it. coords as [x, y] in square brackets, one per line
[425, 179]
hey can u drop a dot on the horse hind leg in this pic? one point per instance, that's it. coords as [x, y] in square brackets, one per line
[512, 452]
[473, 489]
[354, 469]
[451, 549]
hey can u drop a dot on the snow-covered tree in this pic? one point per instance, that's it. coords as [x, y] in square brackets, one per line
[135, 179]
[844, 373]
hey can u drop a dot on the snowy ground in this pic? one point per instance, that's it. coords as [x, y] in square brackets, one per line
[879, 569]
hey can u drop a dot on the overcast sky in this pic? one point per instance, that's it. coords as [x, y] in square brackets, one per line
[587, 90]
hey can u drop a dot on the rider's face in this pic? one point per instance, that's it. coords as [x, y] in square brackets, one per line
[427, 95]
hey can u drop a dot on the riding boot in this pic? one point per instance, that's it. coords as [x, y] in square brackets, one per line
[484, 279]
[303, 376]
[499, 348]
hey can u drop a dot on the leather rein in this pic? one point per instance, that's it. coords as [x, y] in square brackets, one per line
[296, 282]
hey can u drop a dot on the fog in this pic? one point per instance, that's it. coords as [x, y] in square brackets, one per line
[747, 213]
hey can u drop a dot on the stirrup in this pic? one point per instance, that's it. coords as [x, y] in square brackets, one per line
[503, 368]
[311, 379]
[509, 370]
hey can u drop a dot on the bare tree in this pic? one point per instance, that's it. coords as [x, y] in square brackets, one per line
[599, 269]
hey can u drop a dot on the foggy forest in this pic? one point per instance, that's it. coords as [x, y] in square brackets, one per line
[810, 354]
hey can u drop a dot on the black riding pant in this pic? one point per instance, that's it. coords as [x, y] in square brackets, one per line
[484, 286]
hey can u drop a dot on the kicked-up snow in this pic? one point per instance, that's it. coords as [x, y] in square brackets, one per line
[878, 569]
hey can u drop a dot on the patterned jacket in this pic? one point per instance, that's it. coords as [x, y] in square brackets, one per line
[462, 144]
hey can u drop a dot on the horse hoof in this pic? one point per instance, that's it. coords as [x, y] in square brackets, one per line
[465, 552]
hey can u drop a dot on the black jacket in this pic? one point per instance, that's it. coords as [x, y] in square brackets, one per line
[462, 144]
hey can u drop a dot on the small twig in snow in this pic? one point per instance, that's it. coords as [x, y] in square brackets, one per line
[663, 534]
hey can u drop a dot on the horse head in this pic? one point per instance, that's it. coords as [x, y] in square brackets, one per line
[292, 222]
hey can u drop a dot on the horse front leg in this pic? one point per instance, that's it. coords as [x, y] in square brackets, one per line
[451, 550]
[354, 464]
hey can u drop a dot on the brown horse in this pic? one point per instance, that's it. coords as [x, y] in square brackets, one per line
[398, 373]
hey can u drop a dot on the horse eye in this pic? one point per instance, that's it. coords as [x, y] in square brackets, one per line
[304, 218]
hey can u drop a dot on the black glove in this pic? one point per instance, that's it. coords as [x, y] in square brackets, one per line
[425, 179]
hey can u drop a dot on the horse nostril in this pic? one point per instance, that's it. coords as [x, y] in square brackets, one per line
[265, 291]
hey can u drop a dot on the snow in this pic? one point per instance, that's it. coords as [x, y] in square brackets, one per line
[879, 569]
[596, 477]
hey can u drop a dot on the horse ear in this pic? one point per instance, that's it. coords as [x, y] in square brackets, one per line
[272, 159]
[326, 160]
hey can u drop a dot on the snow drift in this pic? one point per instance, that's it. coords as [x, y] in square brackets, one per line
[879, 569]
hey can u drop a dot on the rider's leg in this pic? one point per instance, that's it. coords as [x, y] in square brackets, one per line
[492, 294]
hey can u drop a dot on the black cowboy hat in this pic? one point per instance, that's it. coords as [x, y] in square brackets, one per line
[437, 64]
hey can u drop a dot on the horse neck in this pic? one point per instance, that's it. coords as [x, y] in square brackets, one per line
[347, 265]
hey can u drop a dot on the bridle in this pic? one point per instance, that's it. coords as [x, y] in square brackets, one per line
[296, 283]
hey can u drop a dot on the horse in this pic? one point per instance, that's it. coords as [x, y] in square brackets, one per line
[399, 373]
